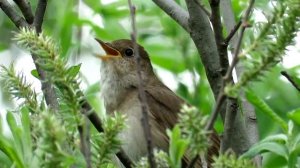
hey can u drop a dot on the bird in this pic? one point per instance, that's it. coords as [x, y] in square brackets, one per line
[119, 89]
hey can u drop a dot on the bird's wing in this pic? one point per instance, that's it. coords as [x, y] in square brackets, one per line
[163, 104]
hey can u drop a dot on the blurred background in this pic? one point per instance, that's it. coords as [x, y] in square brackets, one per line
[75, 24]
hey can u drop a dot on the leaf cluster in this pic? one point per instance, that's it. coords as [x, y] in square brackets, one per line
[268, 47]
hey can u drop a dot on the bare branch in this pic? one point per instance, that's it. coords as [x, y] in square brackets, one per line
[218, 31]
[85, 142]
[175, 11]
[141, 89]
[12, 14]
[39, 15]
[47, 87]
[214, 114]
[203, 8]
[25, 7]
[288, 77]
[232, 32]
[201, 34]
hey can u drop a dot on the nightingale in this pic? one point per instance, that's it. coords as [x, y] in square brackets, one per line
[119, 87]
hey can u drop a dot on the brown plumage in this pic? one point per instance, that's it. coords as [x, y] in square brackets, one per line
[119, 82]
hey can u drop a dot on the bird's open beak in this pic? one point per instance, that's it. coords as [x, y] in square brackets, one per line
[110, 52]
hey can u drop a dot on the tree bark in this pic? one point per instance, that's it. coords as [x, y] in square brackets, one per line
[248, 121]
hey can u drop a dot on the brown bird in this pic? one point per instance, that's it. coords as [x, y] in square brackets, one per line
[119, 82]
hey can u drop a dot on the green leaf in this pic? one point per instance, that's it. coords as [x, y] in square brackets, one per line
[261, 105]
[35, 73]
[177, 147]
[279, 138]
[26, 133]
[273, 147]
[7, 147]
[295, 116]
[3, 46]
[74, 70]
[16, 132]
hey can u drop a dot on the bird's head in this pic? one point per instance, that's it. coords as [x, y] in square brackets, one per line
[120, 61]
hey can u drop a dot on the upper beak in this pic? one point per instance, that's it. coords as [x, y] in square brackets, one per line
[110, 52]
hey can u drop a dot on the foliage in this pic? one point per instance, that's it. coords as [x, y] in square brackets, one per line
[107, 144]
[282, 25]
[17, 86]
[286, 146]
[47, 142]
[192, 123]
[161, 159]
[229, 160]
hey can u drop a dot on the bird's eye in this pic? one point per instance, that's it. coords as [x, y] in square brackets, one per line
[129, 52]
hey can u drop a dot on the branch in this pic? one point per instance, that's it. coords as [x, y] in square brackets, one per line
[240, 131]
[141, 89]
[221, 96]
[25, 7]
[228, 75]
[203, 8]
[290, 79]
[85, 142]
[218, 31]
[39, 15]
[201, 33]
[175, 11]
[12, 14]
[238, 47]
[232, 32]
[47, 87]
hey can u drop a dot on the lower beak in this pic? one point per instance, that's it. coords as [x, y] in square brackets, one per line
[110, 52]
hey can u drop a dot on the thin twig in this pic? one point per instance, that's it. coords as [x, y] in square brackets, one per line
[288, 77]
[47, 87]
[194, 160]
[84, 143]
[214, 114]
[203, 8]
[12, 14]
[175, 11]
[39, 15]
[245, 25]
[218, 32]
[25, 7]
[84, 127]
[141, 89]
[232, 32]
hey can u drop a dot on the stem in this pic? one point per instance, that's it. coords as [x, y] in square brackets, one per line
[232, 32]
[25, 7]
[39, 15]
[290, 79]
[12, 14]
[141, 89]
